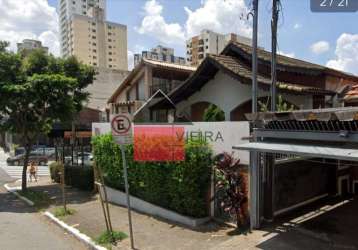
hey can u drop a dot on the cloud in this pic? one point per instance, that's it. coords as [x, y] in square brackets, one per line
[220, 16]
[217, 15]
[154, 24]
[346, 54]
[290, 54]
[35, 19]
[320, 47]
[50, 39]
[297, 26]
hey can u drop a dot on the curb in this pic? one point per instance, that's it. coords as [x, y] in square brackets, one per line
[13, 190]
[75, 232]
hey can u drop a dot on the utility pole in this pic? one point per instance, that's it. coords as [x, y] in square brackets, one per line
[275, 11]
[254, 164]
[254, 56]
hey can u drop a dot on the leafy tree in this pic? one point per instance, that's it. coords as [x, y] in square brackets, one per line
[38, 90]
[3, 45]
[213, 114]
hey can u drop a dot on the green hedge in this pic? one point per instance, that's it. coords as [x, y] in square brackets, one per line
[180, 186]
[75, 176]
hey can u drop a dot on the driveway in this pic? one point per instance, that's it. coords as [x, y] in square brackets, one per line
[338, 225]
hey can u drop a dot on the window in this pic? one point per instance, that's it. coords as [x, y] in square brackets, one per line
[109, 40]
[94, 64]
[110, 47]
[84, 12]
[94, 44]
[95, 51]
[93, 24]
[94, 57]
[110, 59]
[109, 33]
[109, 53]
[206, 47]
[93, 30]
[94, 37]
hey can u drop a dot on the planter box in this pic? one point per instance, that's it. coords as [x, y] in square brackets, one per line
[118, 197]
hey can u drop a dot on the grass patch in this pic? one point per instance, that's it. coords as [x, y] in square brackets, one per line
[61, 212]
[105, 238]
[40, 199]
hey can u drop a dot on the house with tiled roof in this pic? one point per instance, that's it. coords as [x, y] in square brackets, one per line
[225, 81]
[351, 96]
[145, 80]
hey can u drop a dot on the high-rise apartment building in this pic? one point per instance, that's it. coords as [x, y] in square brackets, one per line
[159, 53]
[86, 34]
[30, 44]
[209, 42]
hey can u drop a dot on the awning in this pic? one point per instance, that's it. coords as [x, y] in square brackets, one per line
[349, 154]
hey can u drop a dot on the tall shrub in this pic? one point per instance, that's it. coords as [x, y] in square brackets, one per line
[179, 186]
[233, 182]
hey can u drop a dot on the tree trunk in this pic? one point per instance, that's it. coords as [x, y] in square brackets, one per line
[24, 170]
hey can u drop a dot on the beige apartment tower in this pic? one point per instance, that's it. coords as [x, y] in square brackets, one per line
[209, 42]
[86, 34]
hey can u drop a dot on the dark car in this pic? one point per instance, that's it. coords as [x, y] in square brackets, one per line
[35, 156]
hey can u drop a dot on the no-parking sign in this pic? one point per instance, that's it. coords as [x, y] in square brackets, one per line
[121, 126]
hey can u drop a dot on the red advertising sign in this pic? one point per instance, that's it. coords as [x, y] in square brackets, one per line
[159, 143]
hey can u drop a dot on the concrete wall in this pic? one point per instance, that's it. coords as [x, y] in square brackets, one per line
[222, 136]
[137, 204]
[227, 93]
[106, 82]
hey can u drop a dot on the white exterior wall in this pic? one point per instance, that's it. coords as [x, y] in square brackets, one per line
[227, 93]
[223, 91]
[222, 136]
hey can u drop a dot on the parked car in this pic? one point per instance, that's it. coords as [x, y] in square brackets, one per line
[35, 156]
[87, 158]
[19, 151]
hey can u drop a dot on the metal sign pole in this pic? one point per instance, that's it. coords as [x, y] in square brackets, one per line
[127, 194]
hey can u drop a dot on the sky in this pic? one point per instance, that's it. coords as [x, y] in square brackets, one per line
[325, 38]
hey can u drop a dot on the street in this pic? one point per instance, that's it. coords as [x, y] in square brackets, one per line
[22, 227]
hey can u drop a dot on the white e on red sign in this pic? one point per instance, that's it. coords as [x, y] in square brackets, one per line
[121, 126]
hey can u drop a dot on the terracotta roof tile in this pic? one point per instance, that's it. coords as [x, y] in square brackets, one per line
[240, 69]
[352, 95]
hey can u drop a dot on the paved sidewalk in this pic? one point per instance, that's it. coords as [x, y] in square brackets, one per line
[157, 234]
[149, 232]
[22, 227]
